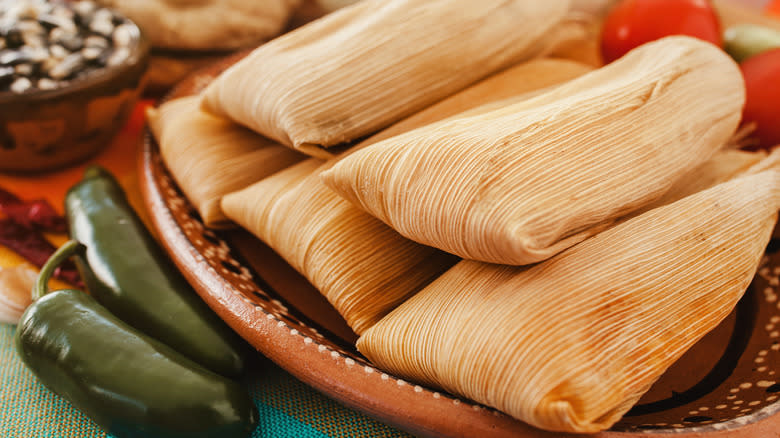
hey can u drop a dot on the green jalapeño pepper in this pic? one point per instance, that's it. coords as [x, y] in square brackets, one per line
[130, 384]
[125, 270]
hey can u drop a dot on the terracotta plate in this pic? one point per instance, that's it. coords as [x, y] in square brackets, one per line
[727, 385]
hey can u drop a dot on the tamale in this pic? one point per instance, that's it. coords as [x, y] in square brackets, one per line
[206, 24]
[725, 165]
[570, 344]
[363, 267]
[210, 157]
[512, 85]
[519, 184]
[359, 69]
[359, 264]
[332, 5]
[593, 7]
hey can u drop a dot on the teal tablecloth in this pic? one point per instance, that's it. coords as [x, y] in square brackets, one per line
[288, 408]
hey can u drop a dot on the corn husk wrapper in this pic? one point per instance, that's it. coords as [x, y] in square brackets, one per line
[332, 5]
[596, 8]
[519, 184]
[210, 157]
[724, 166]
[572, 343]
[363, 67]
[206, 24]
[512, 85]
[363, 267]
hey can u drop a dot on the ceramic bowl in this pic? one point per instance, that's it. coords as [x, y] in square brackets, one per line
[43, 130]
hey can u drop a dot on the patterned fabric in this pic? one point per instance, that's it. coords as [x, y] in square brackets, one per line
[287, 407]
[278, 390]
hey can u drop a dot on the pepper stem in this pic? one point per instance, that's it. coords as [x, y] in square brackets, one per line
[64, 252]
[95, 171]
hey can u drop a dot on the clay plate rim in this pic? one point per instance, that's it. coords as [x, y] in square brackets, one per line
[337, 373]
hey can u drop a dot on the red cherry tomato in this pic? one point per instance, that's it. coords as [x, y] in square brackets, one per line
[762, 82]
[774, 8]
[632, 23]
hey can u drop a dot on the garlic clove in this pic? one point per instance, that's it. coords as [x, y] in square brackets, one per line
[16, 284]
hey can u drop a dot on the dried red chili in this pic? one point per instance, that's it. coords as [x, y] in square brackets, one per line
[21, 230]
[31, 245]
[32, 214]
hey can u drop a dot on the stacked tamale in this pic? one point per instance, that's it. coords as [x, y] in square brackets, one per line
[546, 241]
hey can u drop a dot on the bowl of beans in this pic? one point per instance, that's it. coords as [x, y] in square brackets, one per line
[70, 75]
